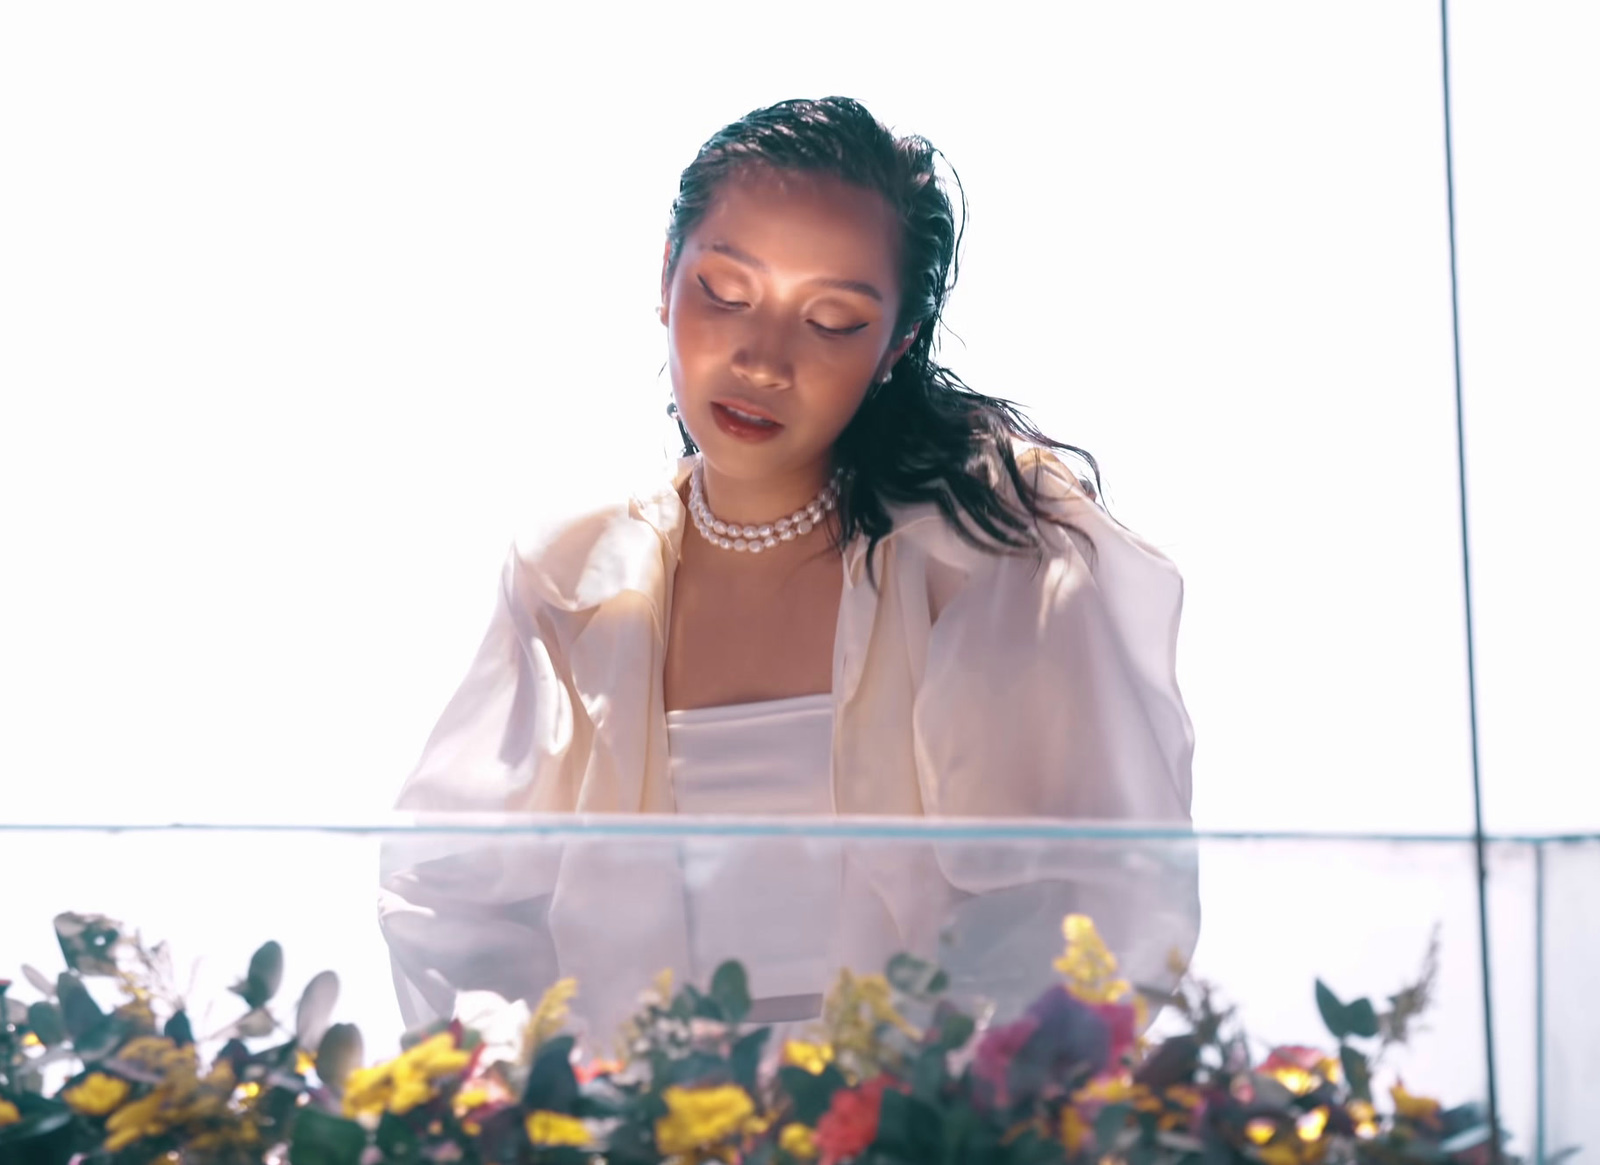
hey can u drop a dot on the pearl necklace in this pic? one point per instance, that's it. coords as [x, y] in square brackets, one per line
[755, 539]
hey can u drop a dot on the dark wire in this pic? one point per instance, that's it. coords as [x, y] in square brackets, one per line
[1478, 841]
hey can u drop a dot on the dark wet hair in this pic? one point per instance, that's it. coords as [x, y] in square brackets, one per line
[924, 435]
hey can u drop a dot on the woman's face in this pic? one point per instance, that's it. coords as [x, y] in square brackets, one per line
[782, 307]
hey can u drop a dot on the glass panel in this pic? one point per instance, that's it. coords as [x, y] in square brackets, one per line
[614, 903]
[1571, 1021]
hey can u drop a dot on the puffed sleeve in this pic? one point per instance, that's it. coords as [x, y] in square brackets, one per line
[463, 910]
[1050, 691]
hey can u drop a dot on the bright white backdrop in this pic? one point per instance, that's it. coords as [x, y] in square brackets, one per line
[304, 309]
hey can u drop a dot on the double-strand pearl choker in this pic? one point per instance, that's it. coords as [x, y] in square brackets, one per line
[755, 539]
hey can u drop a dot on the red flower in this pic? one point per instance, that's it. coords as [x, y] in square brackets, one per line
[851, 1122]
[1122, 1022]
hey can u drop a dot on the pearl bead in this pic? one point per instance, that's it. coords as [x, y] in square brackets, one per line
[769, 542]
[749, 531]
[804, 527]
[764, 532]
[724, 543]
[720, 527]
[739, 544]
[786, 535]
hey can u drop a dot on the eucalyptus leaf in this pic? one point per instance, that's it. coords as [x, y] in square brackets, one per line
[79, 1012]
[44, 1020]
[1333, 1011]
[264, 977]
[396, 1139]
[915, 977]
[1356, 1073]
[339, 1053]
[1109, 1125]
[252, 1025]
[730, 989]
[955, 1029]
[1361, 1018]
[178, 1029]
[320, 1138]
[316, 1009]
[89, 942]
[552, 1085]
[15, 1011]
[41, 982]
[744, 1062]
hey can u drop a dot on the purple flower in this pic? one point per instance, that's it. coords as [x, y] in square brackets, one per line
[1057, 1044]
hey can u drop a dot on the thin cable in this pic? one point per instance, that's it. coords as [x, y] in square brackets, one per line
[1479, 841]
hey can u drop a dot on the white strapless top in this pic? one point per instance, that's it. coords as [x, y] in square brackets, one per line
[773, 757]
[770, 757]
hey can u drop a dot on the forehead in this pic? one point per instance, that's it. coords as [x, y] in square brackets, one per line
[803, 221]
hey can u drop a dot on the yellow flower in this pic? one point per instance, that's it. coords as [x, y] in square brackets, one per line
[97, 1095]
[1312, 1124]
[406, 1081]
[699, 1117]
[1089, 966]
[798, 1141]
[803, 1054]
[548, 1017]
[470, 1098]
[1364, 1117]
[142, 1118]
[553, 1128]
[1074, 1129]
[1281, 1154]
[8, 1114]
[1412, 1107]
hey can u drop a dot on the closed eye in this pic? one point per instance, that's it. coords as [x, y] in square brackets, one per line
[730, 303]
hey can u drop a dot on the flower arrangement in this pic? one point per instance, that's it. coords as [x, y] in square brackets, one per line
[892, 1073]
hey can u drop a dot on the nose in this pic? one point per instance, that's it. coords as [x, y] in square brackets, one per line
[763, 357]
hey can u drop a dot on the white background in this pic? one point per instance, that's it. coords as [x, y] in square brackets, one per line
[305, 308]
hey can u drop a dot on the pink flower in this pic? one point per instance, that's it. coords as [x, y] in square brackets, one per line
[991, 1063]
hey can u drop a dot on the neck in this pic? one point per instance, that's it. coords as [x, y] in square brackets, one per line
[765, 499]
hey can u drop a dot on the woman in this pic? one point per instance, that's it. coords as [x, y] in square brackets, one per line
[866, 589]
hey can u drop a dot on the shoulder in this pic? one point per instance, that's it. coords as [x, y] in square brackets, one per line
[584, 557]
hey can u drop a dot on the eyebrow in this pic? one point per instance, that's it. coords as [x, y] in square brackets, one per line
[750, 260]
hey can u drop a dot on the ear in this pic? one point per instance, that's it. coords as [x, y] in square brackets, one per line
[899, 349]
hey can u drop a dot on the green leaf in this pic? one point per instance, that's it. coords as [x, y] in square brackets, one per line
[89, 942]
[955, 1029]
[908, 1128]
[1108, 1126]
[340, 1053]
[811, 1094]
[45, 1021]
[730, 988]
[320, 1138]
[80, 1014]
[745, 1059]
[265, 976]
[41, 1138]
[178, 1030]
[396, 1138]
[1356, 1073]
[552, 1085]
[928, 1074]
[1333, 1012]
[1362, 1018]
[915, 977]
